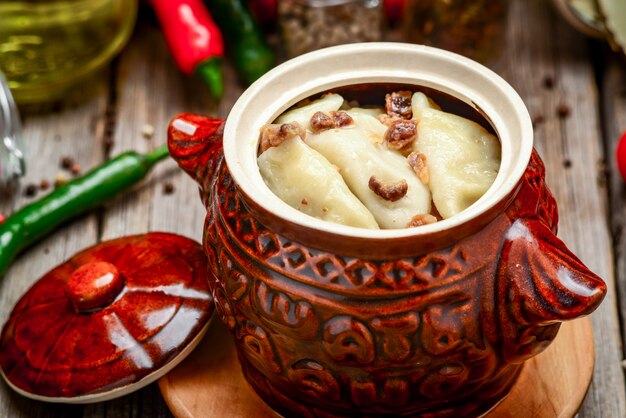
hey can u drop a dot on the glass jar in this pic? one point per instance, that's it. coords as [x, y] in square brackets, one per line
[307, 25]
[474, 28]
[12, 164]
[46, 47]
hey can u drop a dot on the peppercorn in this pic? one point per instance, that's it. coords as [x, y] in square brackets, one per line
[168, 188]
[548, 82]
[75, 169]
[60, 179]
[563, 111]
[30, 190]
[66, 163]
[147, 131]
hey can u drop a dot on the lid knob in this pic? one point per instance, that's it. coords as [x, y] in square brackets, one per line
[94, 286]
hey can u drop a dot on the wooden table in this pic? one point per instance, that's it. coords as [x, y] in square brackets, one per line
[143, 87]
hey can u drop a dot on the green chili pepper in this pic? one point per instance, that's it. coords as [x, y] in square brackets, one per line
[32, 222]
[244, 39]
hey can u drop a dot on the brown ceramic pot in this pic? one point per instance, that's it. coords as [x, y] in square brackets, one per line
[331, 320]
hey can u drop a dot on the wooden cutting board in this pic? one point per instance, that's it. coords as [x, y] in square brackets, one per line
[209, 382]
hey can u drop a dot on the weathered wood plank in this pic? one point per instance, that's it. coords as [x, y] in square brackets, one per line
[613, 90]
[571, 146]
[76, 132]
[151, 90]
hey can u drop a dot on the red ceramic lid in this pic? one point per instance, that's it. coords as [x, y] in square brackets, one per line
[108, 321]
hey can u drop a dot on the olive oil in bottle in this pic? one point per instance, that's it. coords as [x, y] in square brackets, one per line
[46, 47]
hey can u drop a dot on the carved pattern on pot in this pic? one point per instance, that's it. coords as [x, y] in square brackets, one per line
[346, 339]
[396, 335]
[258, 347]
[448, 330]
[351, 341]
[450, 343]
[313, 378]
[388, 392]
[224, 308]
[282, 313]
[536, 200]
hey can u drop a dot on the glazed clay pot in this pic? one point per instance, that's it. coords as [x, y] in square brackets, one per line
[331, 320]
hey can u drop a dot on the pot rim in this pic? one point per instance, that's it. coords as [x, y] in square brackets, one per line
[376, 62]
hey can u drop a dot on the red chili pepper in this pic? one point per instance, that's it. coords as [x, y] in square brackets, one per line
[2, 218]
[620, 155]
[194, 40]
[394, 9]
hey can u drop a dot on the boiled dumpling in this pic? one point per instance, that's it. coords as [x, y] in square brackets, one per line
[462, 158]
[305, 180]
[373, 128]
[302, 115]
[372, 111]
[365, 168]
[379, 177]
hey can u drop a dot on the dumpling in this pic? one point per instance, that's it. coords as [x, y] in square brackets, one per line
[379, 177]
[462, 158]
[305, 180]
[372, 111]
[302, 115]
[373, 128]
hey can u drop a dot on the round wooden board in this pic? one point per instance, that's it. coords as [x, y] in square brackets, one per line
[209, 382]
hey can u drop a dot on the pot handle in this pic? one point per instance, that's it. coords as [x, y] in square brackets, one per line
[554, 285]
[195, 143]
[540, 283]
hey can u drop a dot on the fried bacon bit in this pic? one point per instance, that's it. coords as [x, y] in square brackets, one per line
[273, 135]
[388, 191]
[342, 119]
[388, 120]
[401, 133]
[417, 161]
[304, 202]
[321, 121]
[421, 219]
[399, 104]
